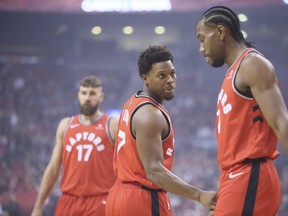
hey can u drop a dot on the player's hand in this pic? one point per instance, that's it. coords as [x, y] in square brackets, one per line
[36, 212]
[211, 212]
[208, 199]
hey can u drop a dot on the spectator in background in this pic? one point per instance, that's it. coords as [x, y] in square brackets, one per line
[144, 147]
[84, 147]
[251, 115]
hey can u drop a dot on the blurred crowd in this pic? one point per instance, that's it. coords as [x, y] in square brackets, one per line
[33, 99]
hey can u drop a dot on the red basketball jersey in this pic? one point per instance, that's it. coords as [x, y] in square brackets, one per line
[127, 164]
[87, 158]
[241, 128]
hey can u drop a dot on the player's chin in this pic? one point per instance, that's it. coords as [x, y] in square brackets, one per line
[169, 93]
[169, 97]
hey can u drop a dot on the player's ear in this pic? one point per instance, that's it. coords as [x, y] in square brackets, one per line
[221, 31]
[101, 97]
[145, 79]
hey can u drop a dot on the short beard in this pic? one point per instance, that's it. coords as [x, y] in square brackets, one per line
[88, 110]
[169, 98]
[217, 64]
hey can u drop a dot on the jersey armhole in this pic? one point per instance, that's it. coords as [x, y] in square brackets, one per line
[109, 132]
[166, 118]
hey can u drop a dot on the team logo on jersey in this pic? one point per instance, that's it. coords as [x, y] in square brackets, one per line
[169, 151]
[99, 127]
[84, 143]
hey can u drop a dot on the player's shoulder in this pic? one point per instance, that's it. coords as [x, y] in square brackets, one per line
[64, 123]
[256, 59]
[148, 112]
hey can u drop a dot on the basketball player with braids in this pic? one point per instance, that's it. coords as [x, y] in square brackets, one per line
[144, 147]
[84, 148]
[251, 115]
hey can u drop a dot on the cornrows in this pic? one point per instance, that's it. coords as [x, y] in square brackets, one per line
[224, 15]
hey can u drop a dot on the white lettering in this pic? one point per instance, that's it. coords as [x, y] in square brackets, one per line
[121, 135]
[72, 141]
[126, 117]
[226, 108]
[91, 137]
[78, 136]
[169, 151]
[85, 149]
[85, 134]
[97, 141]
[224, 99]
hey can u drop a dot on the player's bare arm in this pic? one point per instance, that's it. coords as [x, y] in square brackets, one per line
[259, 75]
[149, 126]
[52, 170]
[113, 126]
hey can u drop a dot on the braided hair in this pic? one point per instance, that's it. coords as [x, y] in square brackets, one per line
[224, 15]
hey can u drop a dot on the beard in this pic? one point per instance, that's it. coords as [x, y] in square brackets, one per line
[88, 110]
[217, 62]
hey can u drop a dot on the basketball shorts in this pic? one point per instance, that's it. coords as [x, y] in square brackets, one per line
[131, 199]
[70, 205]
[251, 188]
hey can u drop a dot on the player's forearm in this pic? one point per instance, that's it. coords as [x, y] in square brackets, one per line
[48, 180]
[282, 133]
[172, 183]
[283, 138]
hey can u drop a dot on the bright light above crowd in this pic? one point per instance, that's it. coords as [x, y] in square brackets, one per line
[125, 5]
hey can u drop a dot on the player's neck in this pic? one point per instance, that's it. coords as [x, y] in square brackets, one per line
[91, 118]
[234, 51]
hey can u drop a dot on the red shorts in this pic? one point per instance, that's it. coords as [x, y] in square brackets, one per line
[249, 189]
[70, 205]
[131, 199]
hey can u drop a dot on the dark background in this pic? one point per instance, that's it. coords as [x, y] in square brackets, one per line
[46, 47]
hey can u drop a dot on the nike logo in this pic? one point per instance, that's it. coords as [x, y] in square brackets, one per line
[99, 127]
[231, 175]
[74, 125]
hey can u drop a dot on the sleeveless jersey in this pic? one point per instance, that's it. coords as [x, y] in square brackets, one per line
[127, 164]
[87, 158]
[241, 128]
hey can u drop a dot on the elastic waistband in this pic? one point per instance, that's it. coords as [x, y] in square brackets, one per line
[151, 189]
[84, 196]
[255, 160]
[138, 185]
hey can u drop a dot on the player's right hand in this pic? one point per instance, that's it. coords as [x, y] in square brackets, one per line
[208, 199]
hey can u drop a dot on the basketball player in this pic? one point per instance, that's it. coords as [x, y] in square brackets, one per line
[251, 115]
[84, 148]
[144, 147]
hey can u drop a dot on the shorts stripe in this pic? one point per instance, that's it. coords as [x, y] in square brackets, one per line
[251, 190]
[154, 199]
[155, 203]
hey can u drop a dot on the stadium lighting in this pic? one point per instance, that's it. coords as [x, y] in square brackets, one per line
[242, 17]
[96, 30]
[128, 30]
[125, 5]
[159, 30]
